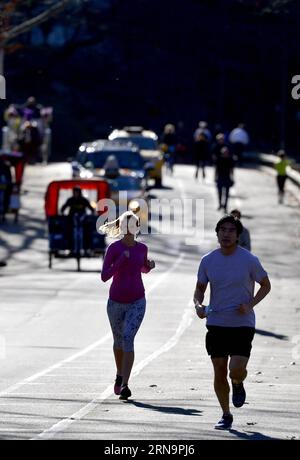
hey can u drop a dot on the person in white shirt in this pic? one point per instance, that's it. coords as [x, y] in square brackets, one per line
[239, 139]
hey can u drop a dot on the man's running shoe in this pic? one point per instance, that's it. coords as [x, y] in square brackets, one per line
[238, 394]
[225, 423]
[125, 393]
[118, 384]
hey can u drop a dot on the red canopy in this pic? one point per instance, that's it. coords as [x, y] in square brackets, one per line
[52, 194]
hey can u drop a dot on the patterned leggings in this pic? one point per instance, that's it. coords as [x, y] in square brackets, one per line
[125, 320]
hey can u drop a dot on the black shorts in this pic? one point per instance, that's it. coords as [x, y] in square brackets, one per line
[222, 342]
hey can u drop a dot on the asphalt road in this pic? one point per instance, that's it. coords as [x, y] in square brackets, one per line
[56, 359]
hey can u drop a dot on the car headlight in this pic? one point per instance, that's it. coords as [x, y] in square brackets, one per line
[85, 174]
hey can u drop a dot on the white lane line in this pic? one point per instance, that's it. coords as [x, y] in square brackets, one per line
[186, 321]
[86, 350]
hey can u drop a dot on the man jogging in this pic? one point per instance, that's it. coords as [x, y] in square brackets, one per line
[232, 272]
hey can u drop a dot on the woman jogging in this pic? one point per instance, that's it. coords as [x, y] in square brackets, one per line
[125, 260]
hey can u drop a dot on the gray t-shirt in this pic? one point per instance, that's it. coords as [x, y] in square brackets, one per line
[232, 280]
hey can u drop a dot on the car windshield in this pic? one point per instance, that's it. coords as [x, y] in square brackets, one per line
[126, 159]
[144, 143]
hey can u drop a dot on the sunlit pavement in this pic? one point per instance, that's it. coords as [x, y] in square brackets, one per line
[56, 359]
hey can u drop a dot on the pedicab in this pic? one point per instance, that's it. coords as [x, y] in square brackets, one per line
[74, 236]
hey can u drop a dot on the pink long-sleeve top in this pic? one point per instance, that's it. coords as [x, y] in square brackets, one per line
[127, 285]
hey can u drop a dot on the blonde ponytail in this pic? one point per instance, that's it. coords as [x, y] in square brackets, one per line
[115, 228]
[111, 229]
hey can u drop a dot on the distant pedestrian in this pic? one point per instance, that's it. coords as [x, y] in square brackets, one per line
[244, 237]
[30, 141]
[224, 176]
[10, 133]
[201, 153]
[239, 139]
[232, 273]
[281, 167]
[169, 145]
[125, 260]
[203, 128]
[5, 188]
[31, 109]
[217, 146]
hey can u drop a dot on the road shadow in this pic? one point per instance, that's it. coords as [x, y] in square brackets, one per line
[252, 436]
[166, 409]
[36, 229]
[271, 334]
